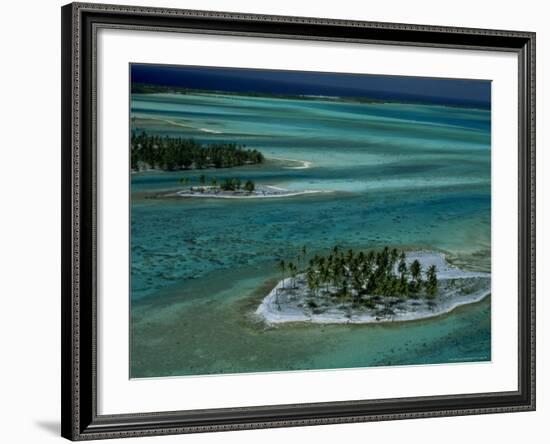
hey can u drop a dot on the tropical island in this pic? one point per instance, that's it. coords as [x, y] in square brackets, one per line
[150, 152]
[235, 188]
[368, 287]
[176, 153]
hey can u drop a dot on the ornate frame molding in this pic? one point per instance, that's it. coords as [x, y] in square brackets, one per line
[79, 395]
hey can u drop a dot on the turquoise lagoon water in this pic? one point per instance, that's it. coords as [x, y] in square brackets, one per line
[405, 175]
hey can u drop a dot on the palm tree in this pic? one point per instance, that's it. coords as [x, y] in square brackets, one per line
[282, 268]
[403, 286]
[402, 266]
[416, 274]
[304, 253]
[337, 274]
[312, 281]
[325, 277]
[293, 271]
[344, 292]
[249, 186]
[431, 281]
[394, 255]
[320, 262]
[357, 280]
[402, 269]
[385, 258]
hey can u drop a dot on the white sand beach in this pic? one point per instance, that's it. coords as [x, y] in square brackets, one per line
[183, 125]
[261, 192]
[304, 164]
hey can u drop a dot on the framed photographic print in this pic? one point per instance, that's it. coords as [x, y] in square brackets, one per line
[279, 221]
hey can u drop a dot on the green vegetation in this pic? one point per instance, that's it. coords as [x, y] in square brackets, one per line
[249, 186]
[228, 184]
[174, 153]
[231, 184]
[360, 276]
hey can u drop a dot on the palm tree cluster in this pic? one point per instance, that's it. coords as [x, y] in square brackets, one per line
[234, 184]
[356, 276]
[174, 153]
[228, 184]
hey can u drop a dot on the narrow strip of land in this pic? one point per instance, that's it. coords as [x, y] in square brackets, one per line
[259, 192]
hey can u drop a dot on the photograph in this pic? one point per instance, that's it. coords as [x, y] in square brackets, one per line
[287, 220]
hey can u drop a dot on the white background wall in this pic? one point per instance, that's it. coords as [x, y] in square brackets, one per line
[30, 220]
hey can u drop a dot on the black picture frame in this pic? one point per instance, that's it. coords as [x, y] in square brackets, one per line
[80, 420]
